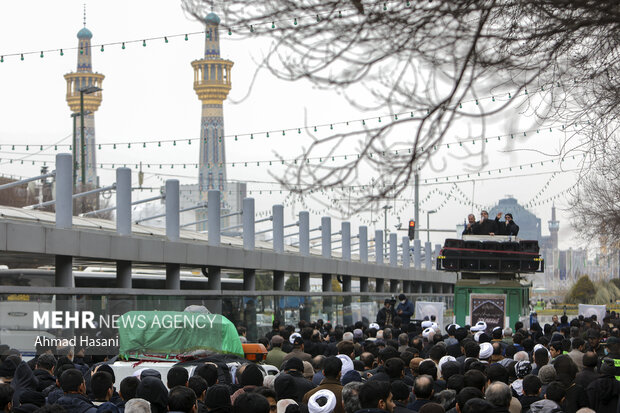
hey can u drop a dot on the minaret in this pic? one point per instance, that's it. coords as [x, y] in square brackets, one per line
[212, 84]
[554, 227]
[86, 81]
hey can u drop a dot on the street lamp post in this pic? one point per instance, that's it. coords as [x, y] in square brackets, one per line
[385, 228]
[84, 91]
[428, 227]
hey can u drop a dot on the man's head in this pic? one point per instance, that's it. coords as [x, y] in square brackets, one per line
[499, 394]
[207, 372]
[465, 395]
[350, 399]
[72, 381]
[471, 218]
[46, 362]
[387, 303]
[423, 387]
[137, 405]
[556, 392]
[276, 341]
[332, 367]
[177, 376]
[102, 386]
[400, 391]
[429, 368]
[541, 357]
[475, 378]
[555, 348]
[6, 397]
[508, 217]
[531, 385]
[376, 394]
[590, 359]
[252, 375]
[484, 215]
[182, 399]
[251, 402]
[554, 319]
[199, 386]
[395, 368]
[593, 338]
[129, 386]
[402, 298]
[578, 344]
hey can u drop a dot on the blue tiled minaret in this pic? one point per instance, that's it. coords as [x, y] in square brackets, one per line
[212, 83]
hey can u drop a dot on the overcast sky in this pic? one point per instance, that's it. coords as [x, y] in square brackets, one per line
[148, 95]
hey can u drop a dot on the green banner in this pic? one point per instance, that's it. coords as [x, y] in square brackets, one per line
[171, 333]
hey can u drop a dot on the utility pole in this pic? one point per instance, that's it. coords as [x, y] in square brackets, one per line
[416, 214]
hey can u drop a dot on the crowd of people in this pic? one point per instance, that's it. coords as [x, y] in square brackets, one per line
[386, 366]
[487, 227]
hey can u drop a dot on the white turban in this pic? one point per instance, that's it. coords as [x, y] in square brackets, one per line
[427, 324]
[328, 407]
[283, 404]
[347, 364]
[292, 337]
[427, 333]
[375, 326]
[480, 326]
[444, 360]
[486, 351]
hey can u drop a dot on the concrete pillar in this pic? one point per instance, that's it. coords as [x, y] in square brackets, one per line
[406, 256]
[437, 250]
[393, 250]
[327, 283]
[214, 207]
[417, 254]
[123, 201]
[215, 278]
[363, 236]
[63, 274]
[346, 241]
[428, 255]
[363, 284]
[123, 222]
[249, 229]
[326, 237]
[346, 283]
[304, 233]
[278, 228]
[249, 279]
[304, 281]
[173, 270]
[64, 191]
[380, 284]
[172, 209]
[394, 286]
[379, 246]
[278, 280]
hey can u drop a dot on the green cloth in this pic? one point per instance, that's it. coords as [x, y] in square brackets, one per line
[171, 333]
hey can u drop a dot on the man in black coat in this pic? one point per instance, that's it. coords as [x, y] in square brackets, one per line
[292, 384]
[485, 226]
[507, 227]
[385, 316]
[472, 226]
[44, 370]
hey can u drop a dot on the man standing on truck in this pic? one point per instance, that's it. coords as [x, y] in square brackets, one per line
[404, 309]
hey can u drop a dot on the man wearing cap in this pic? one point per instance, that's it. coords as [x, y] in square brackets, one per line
[404, 309]
[385, 316]
[275, 356]
[332, 367]
[298, 350]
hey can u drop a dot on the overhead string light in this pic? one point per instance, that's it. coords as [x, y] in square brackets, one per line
[235, 137]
